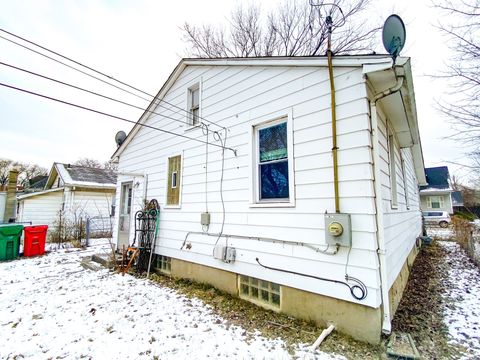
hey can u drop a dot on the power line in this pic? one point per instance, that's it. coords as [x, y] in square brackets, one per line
[72, 67]
[96, 71]
[89, 91]
[109, 115]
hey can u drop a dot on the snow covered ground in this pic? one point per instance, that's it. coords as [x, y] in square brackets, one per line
[440, 233]
[53, 308]
[462, 315]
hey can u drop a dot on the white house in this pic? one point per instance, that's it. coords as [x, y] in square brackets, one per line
[75, 191]
[240, 154]
[437, 194]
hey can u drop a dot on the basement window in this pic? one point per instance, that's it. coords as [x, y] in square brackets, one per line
[163, 264]
[260, 291]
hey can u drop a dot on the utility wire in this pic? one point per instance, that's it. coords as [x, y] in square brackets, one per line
[73, 68]
[95, 71]
[89, 91]
[109, 115]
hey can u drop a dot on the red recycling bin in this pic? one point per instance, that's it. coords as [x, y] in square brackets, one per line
[34, 240]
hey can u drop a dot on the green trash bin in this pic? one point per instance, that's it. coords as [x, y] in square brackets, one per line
[10, 241]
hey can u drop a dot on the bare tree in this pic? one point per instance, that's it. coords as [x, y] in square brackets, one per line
[87, 162]
[26, 172]
[110, 165]
[294, 28]
[461, 26]
[5, 166]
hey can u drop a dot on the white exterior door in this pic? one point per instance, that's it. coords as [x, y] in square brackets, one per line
[124, 215]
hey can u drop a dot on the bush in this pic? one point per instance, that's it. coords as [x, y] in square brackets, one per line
[465, 215]
[463, 231]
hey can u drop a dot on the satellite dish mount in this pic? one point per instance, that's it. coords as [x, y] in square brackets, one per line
[393, 35]
[120, 137]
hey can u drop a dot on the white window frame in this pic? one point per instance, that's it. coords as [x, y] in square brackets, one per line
[405, 182]
[274, 119]
[441, 202]
[179, 206]
[197, 85]
[393, 172]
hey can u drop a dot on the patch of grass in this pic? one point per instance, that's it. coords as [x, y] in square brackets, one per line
[238, 312]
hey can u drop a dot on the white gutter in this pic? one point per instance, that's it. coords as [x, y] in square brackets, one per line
[37, 193]
[387, 321]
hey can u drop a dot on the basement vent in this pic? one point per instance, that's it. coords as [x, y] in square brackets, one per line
[259, 291]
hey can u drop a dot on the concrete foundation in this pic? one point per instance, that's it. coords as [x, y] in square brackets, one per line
[396, 290]
[360, 322]
[221, 279]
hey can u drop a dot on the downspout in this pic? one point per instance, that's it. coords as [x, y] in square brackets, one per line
[334, 115]
[386, 324]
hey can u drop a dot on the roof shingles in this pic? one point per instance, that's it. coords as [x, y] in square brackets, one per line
[91, 175]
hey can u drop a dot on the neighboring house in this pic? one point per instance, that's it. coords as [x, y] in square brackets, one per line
[37, 183]
[74, 191]
[437, 194]
[260, 222]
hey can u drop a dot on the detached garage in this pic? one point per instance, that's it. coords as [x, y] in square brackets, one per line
[72, 192]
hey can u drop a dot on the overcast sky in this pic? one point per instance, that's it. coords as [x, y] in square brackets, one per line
[140, 43]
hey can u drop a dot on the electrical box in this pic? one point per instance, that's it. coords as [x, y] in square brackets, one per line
[230, 254]
[219, 252]
[225, 253]
[205, 219]
[338, 229]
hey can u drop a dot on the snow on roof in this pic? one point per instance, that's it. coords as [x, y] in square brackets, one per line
[75, 175]
[436, 190]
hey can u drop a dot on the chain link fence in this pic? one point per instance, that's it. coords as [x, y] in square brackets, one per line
[98, 227]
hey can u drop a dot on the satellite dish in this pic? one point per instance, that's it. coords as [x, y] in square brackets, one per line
[393, 35]
[120, 137]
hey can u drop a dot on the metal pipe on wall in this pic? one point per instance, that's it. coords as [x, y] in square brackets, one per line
[334, 115]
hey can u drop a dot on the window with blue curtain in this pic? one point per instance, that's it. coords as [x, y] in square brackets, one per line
[273, 162]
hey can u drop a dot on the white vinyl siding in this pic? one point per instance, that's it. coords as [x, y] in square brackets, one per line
[402, 224]
[91, 203]
[41, 209]
[44, 209]
[431, 201]
[240, 97]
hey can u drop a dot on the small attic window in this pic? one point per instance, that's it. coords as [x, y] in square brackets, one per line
[193, 105]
